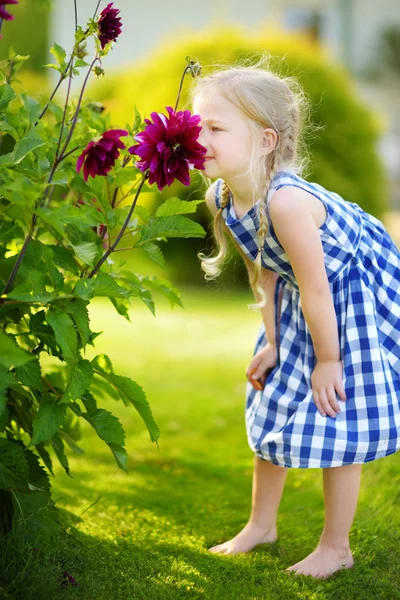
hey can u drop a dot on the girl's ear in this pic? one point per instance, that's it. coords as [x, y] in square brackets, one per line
[269, 141]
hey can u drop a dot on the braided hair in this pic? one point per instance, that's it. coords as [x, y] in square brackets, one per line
[268, 101]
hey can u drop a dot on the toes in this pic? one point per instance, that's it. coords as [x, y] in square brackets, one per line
[219, 549]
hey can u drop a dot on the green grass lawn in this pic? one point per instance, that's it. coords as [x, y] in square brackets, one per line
[147, 536]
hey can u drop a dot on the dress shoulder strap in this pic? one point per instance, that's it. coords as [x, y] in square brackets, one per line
[218, 190]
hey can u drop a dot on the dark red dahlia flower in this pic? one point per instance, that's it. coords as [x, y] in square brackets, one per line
[109, 24]
[99, 157]
[3, 13]
[168, 147]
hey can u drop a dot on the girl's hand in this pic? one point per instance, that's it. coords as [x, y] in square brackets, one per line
[327, 381]
[262, 361]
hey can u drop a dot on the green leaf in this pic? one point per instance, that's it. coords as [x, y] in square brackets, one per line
[142, 212]
[175, 206]
[165, 287]
[101, 285]
[14, 468]
[10, 231]
[30, 374]
[85, 288]
[5, 127]
[11, 355]
[44, 332]
[64, 258]
[130, 392]
[120, 455]
[28, 143]
[59, 54]
[80, 378]
[77, 309]
[86, 252]
[32, 289]
[6, 379]
[170, 227]
[122, 307]
[107, 426]
[126, 175]
[4, 419]
[49, 418]
[154, 253]
[64, 332]
[89, 402]
[45, 456]
[58, 447]
[110, 430]
[107, 286]
[6, 95]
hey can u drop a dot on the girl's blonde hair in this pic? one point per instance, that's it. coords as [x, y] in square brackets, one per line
[268, 101]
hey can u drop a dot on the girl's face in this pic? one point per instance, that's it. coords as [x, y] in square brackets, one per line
[226, 135]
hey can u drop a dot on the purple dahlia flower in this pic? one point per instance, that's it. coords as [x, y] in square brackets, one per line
[99, 157]
[168, 147]
[109, 24]
[3, 13]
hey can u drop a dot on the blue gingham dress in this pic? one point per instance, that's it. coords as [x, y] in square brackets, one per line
[363, 268]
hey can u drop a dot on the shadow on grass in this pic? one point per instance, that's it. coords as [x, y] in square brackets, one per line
[152, 536]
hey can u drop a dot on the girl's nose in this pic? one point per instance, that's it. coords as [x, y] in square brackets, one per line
[202, 138]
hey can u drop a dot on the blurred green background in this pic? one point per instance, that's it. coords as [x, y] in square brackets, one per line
[148, 533]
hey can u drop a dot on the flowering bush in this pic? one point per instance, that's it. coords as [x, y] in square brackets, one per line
[57, 232]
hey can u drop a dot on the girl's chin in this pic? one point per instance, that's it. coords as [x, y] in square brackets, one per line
[210, 170]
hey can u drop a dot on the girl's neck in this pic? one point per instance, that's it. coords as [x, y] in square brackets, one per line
[242, 193]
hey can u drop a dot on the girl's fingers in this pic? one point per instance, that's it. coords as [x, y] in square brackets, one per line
[318, 404]
[325, 403]
[258, 385]
[331, 395]
[340, 391]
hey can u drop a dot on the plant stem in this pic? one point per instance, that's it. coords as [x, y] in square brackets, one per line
[62, 77]
[17, 264]
[65, 110]
[97, 8]
[180, 87]
[96, 58]
[76, 16]
[124, 226]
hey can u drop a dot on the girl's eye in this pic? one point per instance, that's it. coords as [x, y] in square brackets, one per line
[215, 129]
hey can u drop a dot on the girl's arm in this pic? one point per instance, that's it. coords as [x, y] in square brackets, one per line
[298, 234]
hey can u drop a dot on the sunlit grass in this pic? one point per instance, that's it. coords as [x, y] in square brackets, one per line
[148, 533]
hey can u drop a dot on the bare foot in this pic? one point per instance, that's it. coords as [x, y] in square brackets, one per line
[323, 562]
[250, 536]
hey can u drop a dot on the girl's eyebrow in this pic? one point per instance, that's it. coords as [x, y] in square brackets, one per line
[212, 121]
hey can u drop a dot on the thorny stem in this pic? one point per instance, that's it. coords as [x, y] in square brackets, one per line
[124, 226]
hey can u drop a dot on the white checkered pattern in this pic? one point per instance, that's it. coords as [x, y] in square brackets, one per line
[363, 267]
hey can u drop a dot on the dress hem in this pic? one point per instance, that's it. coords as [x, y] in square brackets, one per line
[327, 465]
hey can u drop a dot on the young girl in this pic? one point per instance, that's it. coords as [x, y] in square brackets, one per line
[324, 382]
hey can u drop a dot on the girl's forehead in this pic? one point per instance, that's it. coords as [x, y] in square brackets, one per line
[213, 105]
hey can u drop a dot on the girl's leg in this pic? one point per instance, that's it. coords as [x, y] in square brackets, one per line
[341, 488]
[268, 484]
